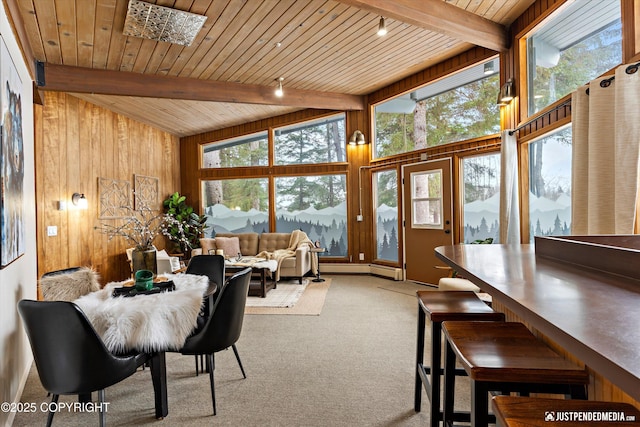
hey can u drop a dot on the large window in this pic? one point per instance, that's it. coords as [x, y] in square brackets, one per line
[317, 141]
[459, 107]
[236, 205]
[573, 47]
[386, 214]
[249, 150]
[316, 205]
[481, 193]
[550, 185]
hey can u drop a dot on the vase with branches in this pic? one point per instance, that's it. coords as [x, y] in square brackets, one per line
[140, 227]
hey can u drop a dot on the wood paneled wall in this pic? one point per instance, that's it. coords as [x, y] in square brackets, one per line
[75, 144]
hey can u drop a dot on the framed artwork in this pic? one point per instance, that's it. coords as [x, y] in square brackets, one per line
[146, 192]
[115, 198]
[11, 161]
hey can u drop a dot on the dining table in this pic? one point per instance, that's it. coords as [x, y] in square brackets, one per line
[148, 322]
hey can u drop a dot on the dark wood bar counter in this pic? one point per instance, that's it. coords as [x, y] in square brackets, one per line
[594, 315]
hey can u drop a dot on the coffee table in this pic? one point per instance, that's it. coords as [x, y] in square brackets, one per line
[260, 269]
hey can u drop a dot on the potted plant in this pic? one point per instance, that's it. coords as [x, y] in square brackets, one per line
[140, 227]
[186, 232]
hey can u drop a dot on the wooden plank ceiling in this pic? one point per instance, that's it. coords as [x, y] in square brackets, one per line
[327, 51]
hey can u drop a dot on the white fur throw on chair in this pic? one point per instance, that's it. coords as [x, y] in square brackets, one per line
[68, 286]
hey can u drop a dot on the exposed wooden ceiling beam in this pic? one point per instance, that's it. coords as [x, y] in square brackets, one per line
[441, 17]
[64, 78]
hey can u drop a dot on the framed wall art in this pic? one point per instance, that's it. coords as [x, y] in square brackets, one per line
[11, 161]
[115, 198]
[146, 192]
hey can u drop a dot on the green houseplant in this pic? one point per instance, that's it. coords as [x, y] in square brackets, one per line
[188, 223]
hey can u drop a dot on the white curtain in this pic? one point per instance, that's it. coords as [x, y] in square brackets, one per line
[606, 141]
[509, 207]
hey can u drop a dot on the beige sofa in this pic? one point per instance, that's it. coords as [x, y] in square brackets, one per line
[252, 244]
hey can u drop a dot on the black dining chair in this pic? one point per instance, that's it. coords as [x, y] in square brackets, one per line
[223, 326]
[70, 356]
[213, 267]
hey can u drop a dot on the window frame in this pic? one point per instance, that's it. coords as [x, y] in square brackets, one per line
[303, 125]
[399, 232]
[232, 142]
[523, 77]
[435, 82]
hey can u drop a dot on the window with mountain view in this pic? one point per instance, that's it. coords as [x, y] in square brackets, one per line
[571, 48]
[550, 185]
[316, 205]
[316, 141]
[386, 214]
[236, 205]
[248, 150]
[481, 195]
[459, 107]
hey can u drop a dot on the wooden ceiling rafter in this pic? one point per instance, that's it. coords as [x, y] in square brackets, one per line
[441, 17]
[65, 78]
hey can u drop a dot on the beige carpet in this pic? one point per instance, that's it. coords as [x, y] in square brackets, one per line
[310, 303]
[353, 366]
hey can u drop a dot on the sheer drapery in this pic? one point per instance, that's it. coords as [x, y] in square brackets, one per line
[509, 207]
[606, 141]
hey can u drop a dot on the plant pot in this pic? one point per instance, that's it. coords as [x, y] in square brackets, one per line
[144, 259]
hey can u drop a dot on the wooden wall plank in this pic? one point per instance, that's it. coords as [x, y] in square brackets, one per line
[76, 143]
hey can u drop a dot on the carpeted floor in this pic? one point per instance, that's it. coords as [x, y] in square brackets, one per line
[353, 365]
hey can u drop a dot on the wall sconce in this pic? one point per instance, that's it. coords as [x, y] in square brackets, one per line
[80, 201]
[357, 138]
[279, 92]
[507, 92]
[382, 27]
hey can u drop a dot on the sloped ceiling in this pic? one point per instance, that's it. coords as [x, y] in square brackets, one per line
[327, 52]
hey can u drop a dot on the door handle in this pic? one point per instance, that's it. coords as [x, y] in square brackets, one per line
[447, 231]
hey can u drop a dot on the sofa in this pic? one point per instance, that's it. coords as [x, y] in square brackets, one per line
[295, 263]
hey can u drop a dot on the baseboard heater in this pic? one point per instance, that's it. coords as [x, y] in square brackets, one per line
[378, 270]
[385, 271]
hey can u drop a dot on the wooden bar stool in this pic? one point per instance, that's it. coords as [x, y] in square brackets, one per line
[441, 306]
[538, 412]
[504, 357]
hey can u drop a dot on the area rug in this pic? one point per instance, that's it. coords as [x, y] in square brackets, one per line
[309, 299]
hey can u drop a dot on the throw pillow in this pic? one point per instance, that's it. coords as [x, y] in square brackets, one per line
[230, 245]
[69, 286]
[208, 244]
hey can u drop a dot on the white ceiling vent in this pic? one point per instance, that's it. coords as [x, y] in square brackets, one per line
[161, 23]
